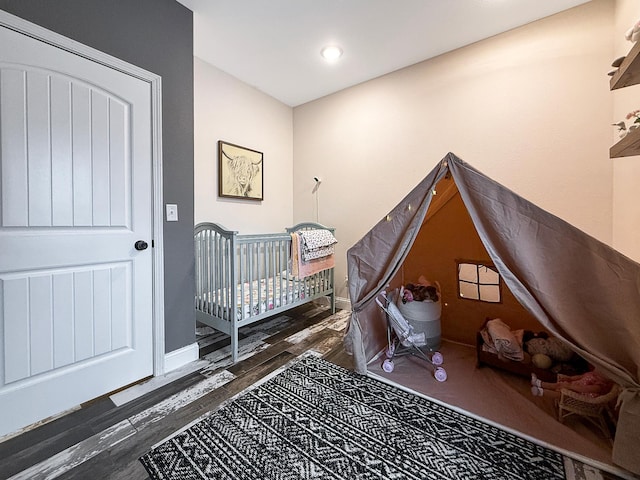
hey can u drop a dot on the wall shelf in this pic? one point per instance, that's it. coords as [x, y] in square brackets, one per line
[628, 146]
[628, 74]
[629, 71]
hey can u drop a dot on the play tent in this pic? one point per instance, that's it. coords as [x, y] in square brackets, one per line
[579, 289]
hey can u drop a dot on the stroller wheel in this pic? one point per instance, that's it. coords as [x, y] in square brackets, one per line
[440, 374]
[387, 365]
[437, 358]
[391, 349]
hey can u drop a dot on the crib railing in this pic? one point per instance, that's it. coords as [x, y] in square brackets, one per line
[229, 264]
[241, 279]
[214, 269]
[322, 281]
[263, 259]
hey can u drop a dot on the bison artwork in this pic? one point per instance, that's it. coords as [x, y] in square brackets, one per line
[240, 172]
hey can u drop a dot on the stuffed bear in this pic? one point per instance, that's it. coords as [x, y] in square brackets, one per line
[551, 347]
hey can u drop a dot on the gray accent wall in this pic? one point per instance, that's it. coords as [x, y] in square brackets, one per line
[156, 35]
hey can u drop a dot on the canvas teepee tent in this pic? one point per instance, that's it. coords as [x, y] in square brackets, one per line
[578, 288]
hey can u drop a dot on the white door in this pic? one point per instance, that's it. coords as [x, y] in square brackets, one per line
[76, 195]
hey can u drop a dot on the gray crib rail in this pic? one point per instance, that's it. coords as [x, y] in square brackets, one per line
[226, 262]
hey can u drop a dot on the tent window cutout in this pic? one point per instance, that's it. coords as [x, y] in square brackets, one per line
[478, 281]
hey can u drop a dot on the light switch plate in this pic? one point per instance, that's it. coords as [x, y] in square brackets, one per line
[172, 212]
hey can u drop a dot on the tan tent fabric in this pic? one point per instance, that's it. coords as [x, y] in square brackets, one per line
[581, 290]
[374, 260]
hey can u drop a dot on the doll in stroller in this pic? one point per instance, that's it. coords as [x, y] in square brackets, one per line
[403, 339]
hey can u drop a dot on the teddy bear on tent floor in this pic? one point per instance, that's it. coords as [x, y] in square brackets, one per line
[551, 353]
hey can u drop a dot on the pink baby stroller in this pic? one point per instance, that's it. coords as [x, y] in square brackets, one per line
[402, 340]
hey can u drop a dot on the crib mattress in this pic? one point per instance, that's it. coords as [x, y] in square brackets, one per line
[254, 298]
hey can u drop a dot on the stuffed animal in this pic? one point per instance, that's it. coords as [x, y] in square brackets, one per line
[633, 34]
[551, 347]
[541, 360]
[419, 293]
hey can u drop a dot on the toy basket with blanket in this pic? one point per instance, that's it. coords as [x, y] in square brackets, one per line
[524, 352]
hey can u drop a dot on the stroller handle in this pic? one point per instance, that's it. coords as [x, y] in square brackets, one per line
[383, 293]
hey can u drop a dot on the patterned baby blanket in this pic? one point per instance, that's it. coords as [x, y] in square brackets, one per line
[301, 268]
[316, 244]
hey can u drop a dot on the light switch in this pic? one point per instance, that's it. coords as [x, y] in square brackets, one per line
[172, 212]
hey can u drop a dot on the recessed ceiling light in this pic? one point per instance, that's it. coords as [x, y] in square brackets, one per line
[331, 53]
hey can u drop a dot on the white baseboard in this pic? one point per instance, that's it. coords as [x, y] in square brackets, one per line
[180, 357]
[343, 303]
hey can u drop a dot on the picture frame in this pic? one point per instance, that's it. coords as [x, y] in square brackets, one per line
[240, 172]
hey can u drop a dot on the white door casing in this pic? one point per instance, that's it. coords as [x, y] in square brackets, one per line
[80, 307]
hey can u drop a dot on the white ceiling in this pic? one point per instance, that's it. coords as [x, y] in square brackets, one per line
[274, 45]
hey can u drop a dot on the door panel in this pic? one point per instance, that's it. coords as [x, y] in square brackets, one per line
[75, 191]
[70, 152]
[61, 317]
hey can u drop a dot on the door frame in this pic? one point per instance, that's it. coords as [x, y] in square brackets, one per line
[25, 27]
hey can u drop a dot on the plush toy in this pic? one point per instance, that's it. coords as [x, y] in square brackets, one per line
[529, 334]
[551, 347]
[419, 293]
[541, 360]
[633, 34]
[422, 291]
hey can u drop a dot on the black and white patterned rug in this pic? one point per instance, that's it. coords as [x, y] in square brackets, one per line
[315, 420]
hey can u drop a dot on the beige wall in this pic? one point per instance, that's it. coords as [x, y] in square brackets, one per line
[230, 110]
[530, 108]
[626, 207]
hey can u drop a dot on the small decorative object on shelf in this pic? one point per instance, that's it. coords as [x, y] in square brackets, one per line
[628, 73]
[636, 115]
[615, 64]
[633, 34]
[618, 61]
[622, 128]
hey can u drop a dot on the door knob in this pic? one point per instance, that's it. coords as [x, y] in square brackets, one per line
[141, 245]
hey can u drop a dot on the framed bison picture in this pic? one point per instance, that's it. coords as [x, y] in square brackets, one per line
[240, 172]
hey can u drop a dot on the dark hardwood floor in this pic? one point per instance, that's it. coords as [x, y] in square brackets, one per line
[104, 439]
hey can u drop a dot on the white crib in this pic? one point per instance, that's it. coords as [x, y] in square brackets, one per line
[241, 279]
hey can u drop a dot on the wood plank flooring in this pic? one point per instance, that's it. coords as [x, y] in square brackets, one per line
[104, 438]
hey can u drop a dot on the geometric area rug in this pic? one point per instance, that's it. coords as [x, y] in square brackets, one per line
[316, 420]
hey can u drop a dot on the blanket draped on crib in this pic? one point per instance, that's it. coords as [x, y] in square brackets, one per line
[316, 244]
[316, 247]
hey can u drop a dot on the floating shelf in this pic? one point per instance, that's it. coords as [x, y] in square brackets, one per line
[628, 146]
[628, 74]
[629, 71]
